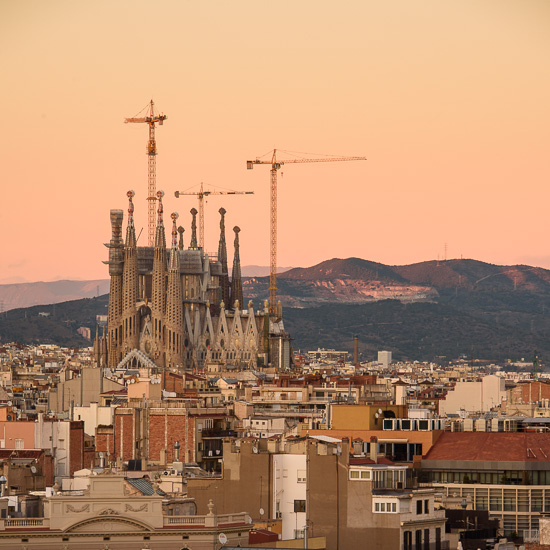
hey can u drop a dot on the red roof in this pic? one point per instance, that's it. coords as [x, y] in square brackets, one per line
[491, 446]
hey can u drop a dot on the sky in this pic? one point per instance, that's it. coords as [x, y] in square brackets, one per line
[447, 99]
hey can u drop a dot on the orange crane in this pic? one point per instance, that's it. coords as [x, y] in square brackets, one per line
[276, 165]
[201, 194]
[151, 120]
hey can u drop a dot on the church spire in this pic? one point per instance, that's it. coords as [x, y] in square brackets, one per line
[236, 281]
[222, 258]
[174, 304]
[130, 230]
[130, 283]
[180, 231]
[160, 238]
[193, 243]
[158, 284]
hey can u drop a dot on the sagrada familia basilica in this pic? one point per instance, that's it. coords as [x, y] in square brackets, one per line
[176, 308]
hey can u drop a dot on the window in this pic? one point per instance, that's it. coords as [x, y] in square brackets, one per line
[354, 474]
[299, 506]
[418, 508]
[394, 506]
[365, 475]
[426, 539]
[426, 507]
[382, 506]
[377, 507]
[301, 476]
[19, 443]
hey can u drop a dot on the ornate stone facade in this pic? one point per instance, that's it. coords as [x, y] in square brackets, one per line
[171, 303]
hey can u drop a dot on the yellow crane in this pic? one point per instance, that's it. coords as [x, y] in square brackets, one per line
[151, 120]
[201, 194]
[275, 166]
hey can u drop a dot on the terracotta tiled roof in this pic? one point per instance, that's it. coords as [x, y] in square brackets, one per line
[491, 446]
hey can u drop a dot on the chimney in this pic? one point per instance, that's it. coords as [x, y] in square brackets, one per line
[356, 350]
[374, 449]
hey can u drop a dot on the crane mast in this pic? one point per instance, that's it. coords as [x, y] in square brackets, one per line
[275, 166]
[151, 120]
[201, 194]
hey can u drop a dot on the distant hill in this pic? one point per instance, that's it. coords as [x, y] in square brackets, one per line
[354, 280]
[20, 295]
[421, 311]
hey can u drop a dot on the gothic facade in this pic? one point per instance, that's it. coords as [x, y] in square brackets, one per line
[176, 305]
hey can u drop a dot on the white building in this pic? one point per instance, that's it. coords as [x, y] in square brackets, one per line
[289, 493]
[384, 358]
[479, 396]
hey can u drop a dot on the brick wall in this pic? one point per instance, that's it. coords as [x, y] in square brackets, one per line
[76, 446]
[155, 430]
[124, 443]
[167, 427]
[105, 440]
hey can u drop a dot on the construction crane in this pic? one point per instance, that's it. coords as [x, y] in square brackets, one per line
[275, 166]
[201, 194]
[151, 120]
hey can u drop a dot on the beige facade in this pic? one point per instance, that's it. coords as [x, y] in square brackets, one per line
[478, 396]
[107, 516]
[329, 495]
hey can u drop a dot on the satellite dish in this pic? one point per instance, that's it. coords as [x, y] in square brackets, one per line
[262, 511]
[376, 415]
[255, 450]
[324, 375]
[222, 537]
[248, 519]
[33, 469]
[10, 403]
[379, 411]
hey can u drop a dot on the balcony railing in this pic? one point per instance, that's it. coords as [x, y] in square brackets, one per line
[168, 521]
[18, 523]
[218, 433]
[206, 521]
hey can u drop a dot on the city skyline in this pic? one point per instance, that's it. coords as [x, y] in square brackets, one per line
[447, 100]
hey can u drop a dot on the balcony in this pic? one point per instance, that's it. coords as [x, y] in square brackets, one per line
[168, 522]
[206, 521]
[215, 432]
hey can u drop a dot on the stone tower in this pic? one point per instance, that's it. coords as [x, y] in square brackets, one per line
[130, 285]
[174, 305]
[236, 280]
[222, 258]
[193, 244]
[158, 286]
[116, 261]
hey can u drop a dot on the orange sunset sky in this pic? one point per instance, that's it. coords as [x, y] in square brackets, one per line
[448, 100]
